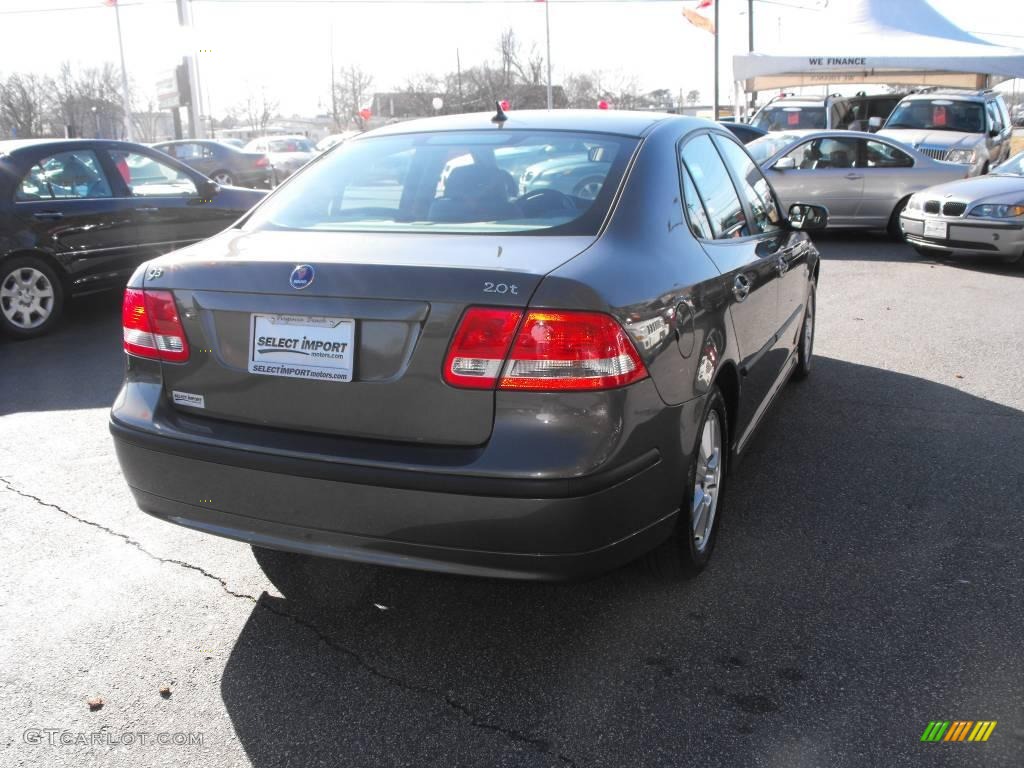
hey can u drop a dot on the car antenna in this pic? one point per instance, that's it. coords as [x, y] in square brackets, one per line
[499, 117]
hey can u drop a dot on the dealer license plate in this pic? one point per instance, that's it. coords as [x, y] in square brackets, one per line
[300, 347]
[936, 229]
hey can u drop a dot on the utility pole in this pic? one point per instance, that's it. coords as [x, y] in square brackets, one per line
[750, 42]
[717, 3]
[126, 103]
[196, 107]
[334, 97]
[458, 71]
[547, 24]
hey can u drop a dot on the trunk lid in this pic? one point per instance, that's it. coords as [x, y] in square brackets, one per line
[404, 295]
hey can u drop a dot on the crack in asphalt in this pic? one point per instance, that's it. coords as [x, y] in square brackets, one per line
[539, 745]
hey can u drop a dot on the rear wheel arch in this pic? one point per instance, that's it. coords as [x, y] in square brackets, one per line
[49, 258]
[728, 382]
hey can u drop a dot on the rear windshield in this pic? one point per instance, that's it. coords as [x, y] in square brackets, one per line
[783, 118]
[290, 145]
[495, 181]
[939, 115]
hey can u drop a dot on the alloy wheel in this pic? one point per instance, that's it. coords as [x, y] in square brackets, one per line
[26, 298]
[707, 481]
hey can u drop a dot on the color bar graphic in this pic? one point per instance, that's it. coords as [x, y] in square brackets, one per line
[958, 730]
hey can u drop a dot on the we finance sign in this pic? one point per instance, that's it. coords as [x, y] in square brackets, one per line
[837, 61]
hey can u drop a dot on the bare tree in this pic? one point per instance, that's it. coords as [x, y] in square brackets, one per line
[256, 110]
[24, 105]
[693, 97]
[89, 97]
[352, 95]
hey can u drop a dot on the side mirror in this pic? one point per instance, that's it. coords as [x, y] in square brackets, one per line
[994, 132]
[808, 218]
[784, 164]
[207, 188]
[874, 123]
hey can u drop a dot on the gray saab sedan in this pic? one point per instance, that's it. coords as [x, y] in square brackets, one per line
[863, 180]
[462, 377]
[980, 216]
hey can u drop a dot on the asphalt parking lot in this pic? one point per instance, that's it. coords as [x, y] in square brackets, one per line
[869, 578]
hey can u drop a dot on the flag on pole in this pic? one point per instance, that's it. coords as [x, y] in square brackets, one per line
[698, 20]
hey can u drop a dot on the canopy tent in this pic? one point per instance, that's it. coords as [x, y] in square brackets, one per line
[880, 41]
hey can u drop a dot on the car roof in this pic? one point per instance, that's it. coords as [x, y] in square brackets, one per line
[621, 122]
[14, 146]
[189, 141]
[951, 95]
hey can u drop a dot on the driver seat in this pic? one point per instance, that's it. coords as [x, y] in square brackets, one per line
[475, 193]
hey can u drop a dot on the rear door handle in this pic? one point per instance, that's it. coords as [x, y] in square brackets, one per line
[854, 176]
[48, 215]
[741, 287]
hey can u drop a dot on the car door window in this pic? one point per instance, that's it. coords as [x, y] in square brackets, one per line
[700, 225]
[148, 177]
[878, 154]
[995, 120]
[825, 153]
[715, 188]
[753, 187]
[65, 176]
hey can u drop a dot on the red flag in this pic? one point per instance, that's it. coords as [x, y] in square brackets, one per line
[701, 22]
[704, 4]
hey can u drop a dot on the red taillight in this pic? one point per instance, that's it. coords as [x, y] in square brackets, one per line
[480, 346]
[151, 326]
[551, 350]
[263, 162]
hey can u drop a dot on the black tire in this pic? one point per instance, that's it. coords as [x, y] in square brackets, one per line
[893, 227]
[805, 348]
[28, 322]
[228, 179]
[681, 556]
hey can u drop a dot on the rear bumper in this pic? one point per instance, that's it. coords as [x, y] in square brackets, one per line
[483, 526]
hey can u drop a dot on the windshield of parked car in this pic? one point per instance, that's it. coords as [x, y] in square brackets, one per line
[939, 115]
[508, 181]
[1013, 166]
[787, 118]
[766, 146]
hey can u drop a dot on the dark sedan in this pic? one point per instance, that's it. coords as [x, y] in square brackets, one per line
[468, 377]
[225, 164]
[78, 216]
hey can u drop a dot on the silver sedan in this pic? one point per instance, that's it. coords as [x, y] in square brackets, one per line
[863, 180]
[982, 216]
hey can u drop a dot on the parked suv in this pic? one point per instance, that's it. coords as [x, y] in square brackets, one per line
[968, 127]
[789, 112]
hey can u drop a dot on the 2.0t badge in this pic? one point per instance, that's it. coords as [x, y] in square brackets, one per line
[302, 276]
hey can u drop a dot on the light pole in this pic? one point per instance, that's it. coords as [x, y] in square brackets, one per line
[547, 27]
[125, 102]
[96, 115]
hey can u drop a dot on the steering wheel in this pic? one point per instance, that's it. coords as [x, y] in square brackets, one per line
[542, 201]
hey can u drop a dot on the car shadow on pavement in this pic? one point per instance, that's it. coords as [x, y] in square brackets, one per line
[78, 365]
[852, 586]
[861, 245]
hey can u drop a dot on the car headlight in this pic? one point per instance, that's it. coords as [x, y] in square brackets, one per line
[961, 156]
[915, 203]
[992, 211]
